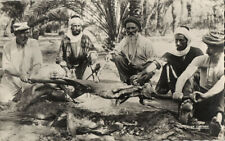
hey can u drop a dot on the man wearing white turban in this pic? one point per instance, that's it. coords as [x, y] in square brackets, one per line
[177, 61]
[76, 49]
[209, 99]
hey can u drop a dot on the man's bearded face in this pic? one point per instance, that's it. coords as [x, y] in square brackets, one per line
[22, 37]
[76, 29]
[181, 42]
[131, 29]
[213, 51]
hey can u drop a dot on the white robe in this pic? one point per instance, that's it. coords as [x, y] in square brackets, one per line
[20, 59]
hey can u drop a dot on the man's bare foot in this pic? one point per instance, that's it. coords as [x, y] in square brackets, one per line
[215, 125]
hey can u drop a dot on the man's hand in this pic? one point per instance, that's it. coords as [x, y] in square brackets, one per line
[199, 97]
[178, 95]
[108, 57]
[144, 77]
[25, 78]
[63, 64]
[133, 79]
[141, 78]
[111, 55]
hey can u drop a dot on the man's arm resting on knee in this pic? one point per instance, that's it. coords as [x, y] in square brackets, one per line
[153, 66]
[8, 66]
[217, 88]
[190, 70]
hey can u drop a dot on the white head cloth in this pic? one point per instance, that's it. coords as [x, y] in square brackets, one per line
[186, 33]
[183, 31]
[75, 21]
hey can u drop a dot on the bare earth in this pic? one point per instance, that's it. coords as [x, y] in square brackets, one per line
[95, 118]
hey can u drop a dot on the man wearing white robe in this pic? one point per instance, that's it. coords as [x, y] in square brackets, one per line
[21, 58]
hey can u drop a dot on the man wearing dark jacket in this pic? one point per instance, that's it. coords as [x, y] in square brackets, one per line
[209, 99]
[177, 61]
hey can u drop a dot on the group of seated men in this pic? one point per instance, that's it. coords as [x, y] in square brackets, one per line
[185, 70]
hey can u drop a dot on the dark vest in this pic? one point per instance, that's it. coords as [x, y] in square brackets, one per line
[68, 54]
[179, 64]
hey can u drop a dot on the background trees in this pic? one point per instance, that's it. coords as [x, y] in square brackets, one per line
[159, 17]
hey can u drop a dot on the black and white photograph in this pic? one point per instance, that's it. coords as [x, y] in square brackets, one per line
[112, 70]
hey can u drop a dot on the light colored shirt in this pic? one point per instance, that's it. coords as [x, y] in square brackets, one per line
[76, 47]
[23, 60]
[75, 43]
[139, 53]
[210, 73]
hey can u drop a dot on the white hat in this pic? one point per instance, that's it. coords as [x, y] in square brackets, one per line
[20, 26]
[184, 31]
[75, 20]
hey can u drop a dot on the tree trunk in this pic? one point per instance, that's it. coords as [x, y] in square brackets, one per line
[174, 18]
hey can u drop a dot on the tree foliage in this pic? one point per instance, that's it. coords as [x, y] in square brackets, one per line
[158, 16]
[46, 14]
[108, 16]
[14, 9]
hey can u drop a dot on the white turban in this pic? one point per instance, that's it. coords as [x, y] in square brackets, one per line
[76, 21]
[184, 31]
[20, 26]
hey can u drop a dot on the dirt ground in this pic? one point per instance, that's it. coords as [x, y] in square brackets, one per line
[95, 118]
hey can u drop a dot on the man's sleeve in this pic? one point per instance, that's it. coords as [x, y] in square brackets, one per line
[7, 65]
[190, 70]
[198, 52]
[151, 55]
[167, 57]
[6, 58]
[87, 44]
[217, 88]
[119, 47]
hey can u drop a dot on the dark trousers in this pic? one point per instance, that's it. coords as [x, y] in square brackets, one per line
[167, 83]
[124, 68]
[207, 109]
[164, 85]
[80, 66]
[81, 69]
